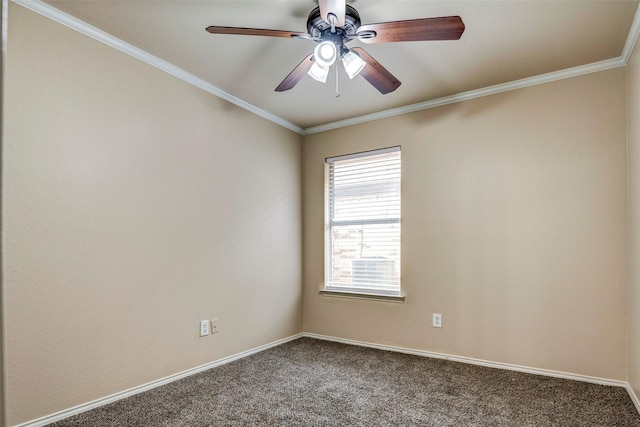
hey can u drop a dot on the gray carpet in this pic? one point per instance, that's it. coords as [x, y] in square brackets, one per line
[310, 382]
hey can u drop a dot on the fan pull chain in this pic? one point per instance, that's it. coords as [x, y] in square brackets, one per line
[337, 87]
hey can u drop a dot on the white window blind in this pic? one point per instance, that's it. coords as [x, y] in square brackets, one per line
[362, 223]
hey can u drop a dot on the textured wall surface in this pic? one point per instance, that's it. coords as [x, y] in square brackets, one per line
[633, 97]
[513, 228]
[2, 376]
[135, 206]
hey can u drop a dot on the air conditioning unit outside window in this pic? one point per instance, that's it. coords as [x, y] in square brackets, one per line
[372, 271]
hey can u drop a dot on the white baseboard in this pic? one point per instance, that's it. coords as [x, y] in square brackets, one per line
[633, 397]
[473, 361]
[151, 385]
[43, 421]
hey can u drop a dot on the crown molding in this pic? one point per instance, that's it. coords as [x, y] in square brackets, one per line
[473, 94]
[632, 37]
[595, 67]
[95, 33]
[76, 24]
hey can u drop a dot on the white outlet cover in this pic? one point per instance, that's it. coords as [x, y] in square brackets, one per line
[437, 320]
[204, 328]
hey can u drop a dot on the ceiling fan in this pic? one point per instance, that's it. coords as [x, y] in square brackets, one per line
[333, 24]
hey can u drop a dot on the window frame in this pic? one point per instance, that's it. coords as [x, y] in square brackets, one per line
[329, 222]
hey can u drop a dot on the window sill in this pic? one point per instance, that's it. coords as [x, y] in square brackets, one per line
[374, 297]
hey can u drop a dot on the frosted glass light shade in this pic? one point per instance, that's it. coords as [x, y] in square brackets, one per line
[353, 64]
[319, 72]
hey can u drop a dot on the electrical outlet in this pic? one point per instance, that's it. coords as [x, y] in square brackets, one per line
[214, 326]
[437, 320]
[204, 328]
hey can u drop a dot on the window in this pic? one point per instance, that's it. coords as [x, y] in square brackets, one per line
[362, 223]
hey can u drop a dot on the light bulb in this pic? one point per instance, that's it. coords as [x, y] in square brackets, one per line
[325, 54]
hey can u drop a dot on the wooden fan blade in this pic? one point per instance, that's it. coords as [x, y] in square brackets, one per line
[376, 74]
[296, 75]
[336, 7]
[256, 32]
[444, 28]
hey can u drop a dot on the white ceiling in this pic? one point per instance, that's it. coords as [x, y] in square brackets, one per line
[504, 41]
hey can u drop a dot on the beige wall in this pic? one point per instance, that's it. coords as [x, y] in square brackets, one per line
[633, 97]
[514, 228]
[135, 205]
[2, 376]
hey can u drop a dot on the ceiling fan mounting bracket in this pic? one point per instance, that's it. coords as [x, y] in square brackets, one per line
[318, 27]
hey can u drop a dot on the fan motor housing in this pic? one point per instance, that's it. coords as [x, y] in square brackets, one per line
[318, 27]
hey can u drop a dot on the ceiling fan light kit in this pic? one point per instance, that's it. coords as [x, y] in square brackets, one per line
[325, 55]
[333, 24]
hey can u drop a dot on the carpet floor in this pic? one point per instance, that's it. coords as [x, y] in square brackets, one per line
[309, 382]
